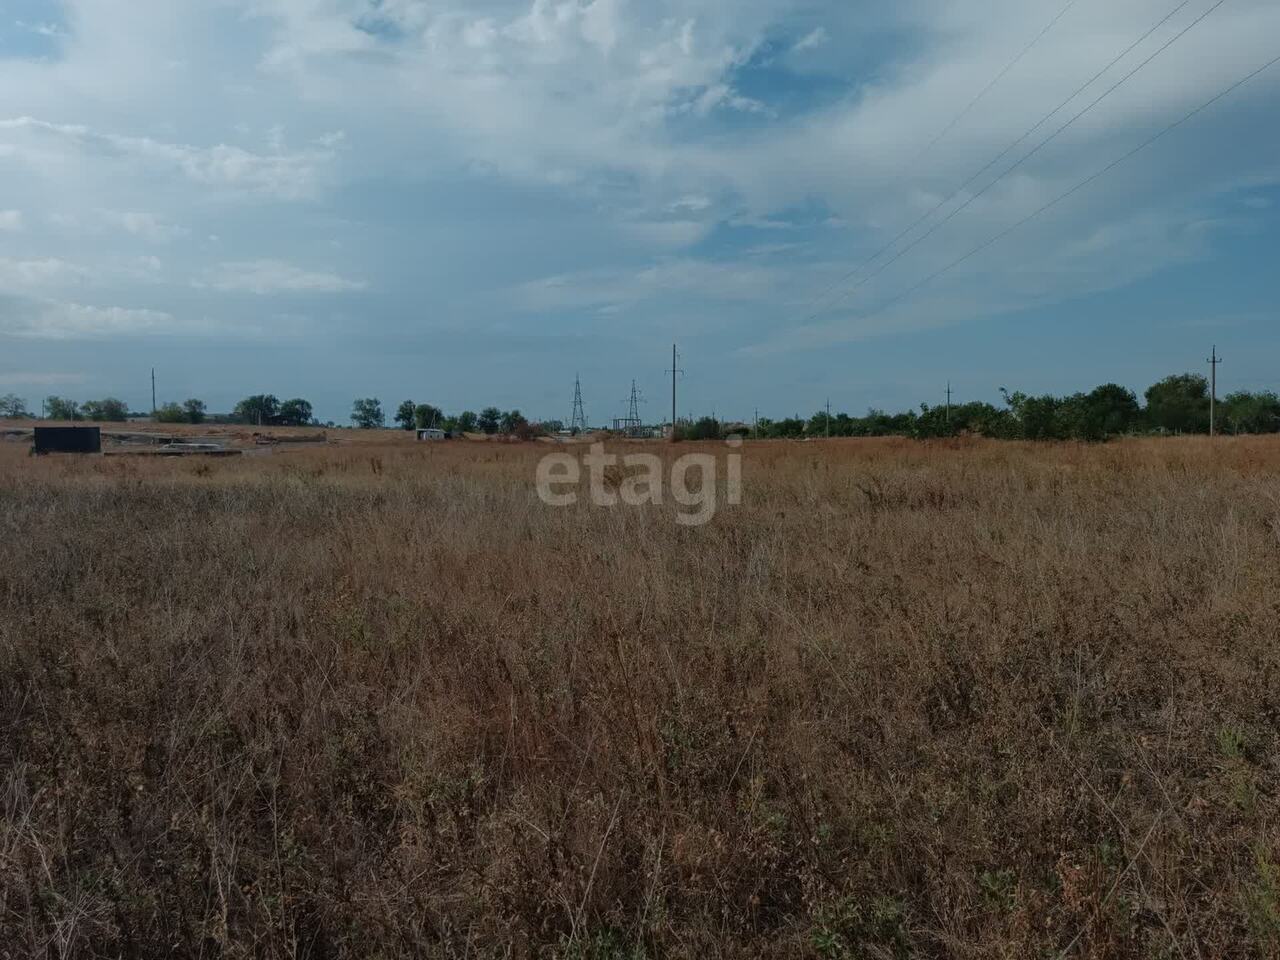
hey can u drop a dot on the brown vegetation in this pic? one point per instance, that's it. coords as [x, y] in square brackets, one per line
[948, 700]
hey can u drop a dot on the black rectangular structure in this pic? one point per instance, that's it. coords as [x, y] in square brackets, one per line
[67, 440]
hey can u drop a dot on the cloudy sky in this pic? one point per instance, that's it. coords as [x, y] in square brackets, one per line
[468, 202]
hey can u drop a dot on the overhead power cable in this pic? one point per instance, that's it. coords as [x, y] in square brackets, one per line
[996, 79]
[1000, 156]
[1018, 163]
[1075, 189]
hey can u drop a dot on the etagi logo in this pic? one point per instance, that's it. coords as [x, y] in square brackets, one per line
[640, 480]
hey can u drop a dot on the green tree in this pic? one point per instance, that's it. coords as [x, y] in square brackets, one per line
[1105, 411]
[1179, 404]
[60, 408]
[467, 422]
[1037, 417]
[1245, 412]
[295, 413]
[194, 410]
[107, 410]
[425, 416]
[705, 428]
[513, 421]
[258, 410]
[404, 415]
[367, 414]
[13, 407]
[171, 413]
[489, 420]
[788, 427]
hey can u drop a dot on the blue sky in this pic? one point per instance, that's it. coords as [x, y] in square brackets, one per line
[468, 202]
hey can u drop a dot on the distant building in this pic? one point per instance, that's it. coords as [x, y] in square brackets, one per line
[431, 433]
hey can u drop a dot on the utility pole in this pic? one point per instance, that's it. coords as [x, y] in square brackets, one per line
[948, 401]
[153, 393]
[756, 424]
[673, 391]
[675, 372]
[1213, 362]
[828, 418]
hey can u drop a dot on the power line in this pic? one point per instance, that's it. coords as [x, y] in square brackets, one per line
[998, 77]
[1044, 143]
[1075, 189]
[1000, 156]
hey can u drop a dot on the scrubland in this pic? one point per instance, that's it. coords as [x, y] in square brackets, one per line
[960, 699]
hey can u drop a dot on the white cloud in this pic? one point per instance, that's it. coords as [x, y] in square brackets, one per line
[41, 272]
[61, 320]
[274, 276]
[10, 221]
[281, 175]
[812, 40]
[145, 225]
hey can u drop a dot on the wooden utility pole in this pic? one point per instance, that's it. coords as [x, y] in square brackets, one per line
[1213, 362]
[948, 401]
[153, 393]
[828, 418]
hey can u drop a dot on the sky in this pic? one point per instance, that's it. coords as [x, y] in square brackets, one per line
[471, 202]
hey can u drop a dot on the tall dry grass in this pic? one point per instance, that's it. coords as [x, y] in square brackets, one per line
[949, 700]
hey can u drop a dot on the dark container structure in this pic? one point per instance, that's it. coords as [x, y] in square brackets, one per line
[67, 440]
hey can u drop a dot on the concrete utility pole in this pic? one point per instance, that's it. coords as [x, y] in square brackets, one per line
[675, 372]
[1213, 362]
[828, 418]
[153, 393]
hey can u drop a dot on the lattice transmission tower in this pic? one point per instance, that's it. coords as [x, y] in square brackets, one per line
[578, 422]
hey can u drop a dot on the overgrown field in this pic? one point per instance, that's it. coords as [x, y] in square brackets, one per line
[908, 700]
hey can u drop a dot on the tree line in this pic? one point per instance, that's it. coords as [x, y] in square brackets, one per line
[1178, 404]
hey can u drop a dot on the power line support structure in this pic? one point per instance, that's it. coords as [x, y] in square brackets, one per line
[153, 393]
[674, 373]
[578, 421]
[1213, 362]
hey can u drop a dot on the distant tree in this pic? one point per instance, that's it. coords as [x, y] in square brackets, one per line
[787, 427]
[489, 420]
[1245, 412]
[425, 416]
[13, 407]
[259, 410]
[171, 413]
[194, 410]
[511, 422]
[552, 426]
[817, 425]
[1179, 404]
[404, 415]
[1106, 411]
[467, 422]
[707, 428]
[367, 414]
[59, 408]
[107, 410]
[294, 413]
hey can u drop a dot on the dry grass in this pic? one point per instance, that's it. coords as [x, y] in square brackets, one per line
[950, 700]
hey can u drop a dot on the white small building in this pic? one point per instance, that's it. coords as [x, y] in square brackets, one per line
[430, 433]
